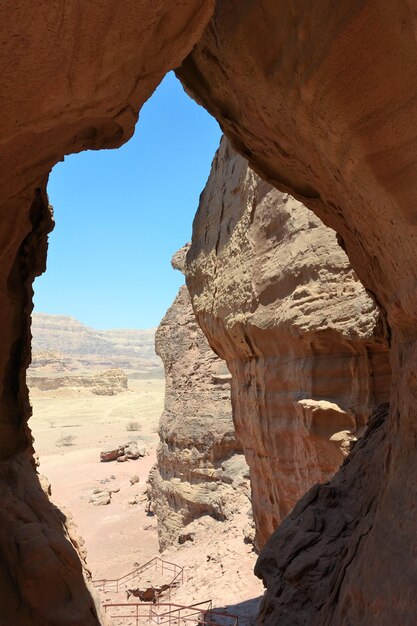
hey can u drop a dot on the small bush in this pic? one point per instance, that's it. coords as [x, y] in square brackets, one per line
[133, 426]
[51, 423]
[65, 440]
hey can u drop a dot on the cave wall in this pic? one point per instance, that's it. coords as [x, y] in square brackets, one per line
[74, 76]
[278, 300]
[321, 98]
[200, 469]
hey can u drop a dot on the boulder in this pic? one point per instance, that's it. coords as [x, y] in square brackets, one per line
[111, 454]
[100, 497]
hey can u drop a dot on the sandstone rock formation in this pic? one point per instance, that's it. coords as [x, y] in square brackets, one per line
[100, 497]
[278, 300]
[38, 538]
[322, 100]
[319, 539]
[321, 97]
[200, 467]
[106, 383]
[63, 343]
[73, 77]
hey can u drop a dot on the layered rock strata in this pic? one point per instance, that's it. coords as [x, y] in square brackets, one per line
[322, 100]
[278, 300]
[108, 383]
[201, 468]
[61, 343]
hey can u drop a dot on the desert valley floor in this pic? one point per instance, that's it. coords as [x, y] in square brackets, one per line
[71, 426]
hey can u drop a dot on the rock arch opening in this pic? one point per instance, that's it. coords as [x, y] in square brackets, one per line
[322, 102]
[298, 332]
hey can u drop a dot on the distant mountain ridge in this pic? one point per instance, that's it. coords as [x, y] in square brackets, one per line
[64, 343]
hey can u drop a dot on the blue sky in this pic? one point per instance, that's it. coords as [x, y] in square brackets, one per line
[121, 214]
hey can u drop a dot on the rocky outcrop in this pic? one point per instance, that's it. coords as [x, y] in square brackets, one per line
[108, 383]
[278, 300]
[321, 100]
[319, 540]
[38, 538]
[200, 467]
[124, 451]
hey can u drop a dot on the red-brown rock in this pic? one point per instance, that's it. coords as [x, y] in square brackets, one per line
[321, 96]
[322, 99]
[74, 76]
[277, 299]
[200, 467]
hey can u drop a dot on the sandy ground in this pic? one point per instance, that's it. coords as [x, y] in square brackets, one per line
[95, 423]
[218, 565]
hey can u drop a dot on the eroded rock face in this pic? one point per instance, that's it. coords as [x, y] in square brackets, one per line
[37, 539]
[322, 100]
[316, 544]
[201, 469]
[278, 300]
[310, 95]
[74, 76]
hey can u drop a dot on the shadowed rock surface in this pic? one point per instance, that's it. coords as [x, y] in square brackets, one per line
[201, 469]
[316, 544]
[322, 99]
[278, 300]
[74, 76]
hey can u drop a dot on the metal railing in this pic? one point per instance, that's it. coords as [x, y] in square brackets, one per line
[115, 584]
[201, 614]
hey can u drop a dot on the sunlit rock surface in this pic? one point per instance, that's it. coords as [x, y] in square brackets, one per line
[201, 469]
[322, 99]
[278, 300]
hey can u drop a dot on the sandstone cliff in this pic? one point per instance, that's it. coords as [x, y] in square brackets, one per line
[200, 469]
[278, 300]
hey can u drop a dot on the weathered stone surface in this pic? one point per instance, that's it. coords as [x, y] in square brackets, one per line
[322, 99]
[200, 468]
[310, 94]
[100, 497]
[111, 454]
[278, 300]
[123, 452]
[37, 539]
[74, 76]
[316, 544]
